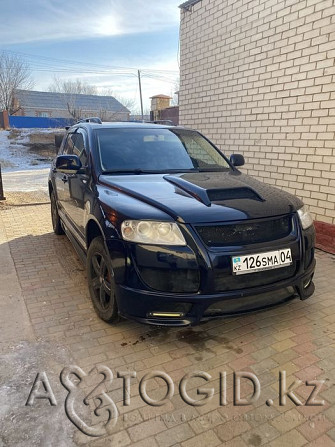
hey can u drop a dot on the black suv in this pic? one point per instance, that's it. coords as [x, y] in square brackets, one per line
[171, 231]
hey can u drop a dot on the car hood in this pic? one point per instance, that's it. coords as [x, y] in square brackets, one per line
[205, 196]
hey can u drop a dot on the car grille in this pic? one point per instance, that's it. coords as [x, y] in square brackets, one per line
[224, 282]
[251, 232]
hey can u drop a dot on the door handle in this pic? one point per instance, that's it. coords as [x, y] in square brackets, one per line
[64, 178]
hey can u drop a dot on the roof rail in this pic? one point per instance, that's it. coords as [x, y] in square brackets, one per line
[163, 122]
[93, 119]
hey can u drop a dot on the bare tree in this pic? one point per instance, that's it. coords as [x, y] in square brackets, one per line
[76, 87]
[69, 90]
[129, 103]
[14, 74]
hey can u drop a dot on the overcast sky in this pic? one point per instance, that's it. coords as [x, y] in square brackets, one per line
[101, 41]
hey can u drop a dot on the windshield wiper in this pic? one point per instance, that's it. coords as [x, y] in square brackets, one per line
[214, 169]
[170, 171]
[147, 171]
[123, 171]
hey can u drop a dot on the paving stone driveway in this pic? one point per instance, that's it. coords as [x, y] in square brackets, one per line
[298, 338]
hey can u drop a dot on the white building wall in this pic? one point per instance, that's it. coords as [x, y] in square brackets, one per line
[258, 78]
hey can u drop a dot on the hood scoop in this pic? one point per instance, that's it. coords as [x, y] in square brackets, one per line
[218, 195]
[207, 196]
[193, 190]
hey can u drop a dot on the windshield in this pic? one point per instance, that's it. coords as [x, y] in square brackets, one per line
[156, 150]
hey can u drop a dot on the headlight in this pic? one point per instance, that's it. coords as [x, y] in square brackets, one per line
[151, 232]
[305, 217]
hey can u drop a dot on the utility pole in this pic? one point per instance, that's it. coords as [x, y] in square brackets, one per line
[140, 87]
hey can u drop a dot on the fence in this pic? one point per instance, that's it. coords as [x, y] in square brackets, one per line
[38, 122]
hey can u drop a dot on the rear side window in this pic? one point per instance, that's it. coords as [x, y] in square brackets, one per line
[75, 145]
[79, 148]
[68, 146]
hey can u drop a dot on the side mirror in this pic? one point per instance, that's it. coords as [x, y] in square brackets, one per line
[237, 159]
[69, 164]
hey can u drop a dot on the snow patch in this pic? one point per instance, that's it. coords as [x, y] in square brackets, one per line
[15, 156]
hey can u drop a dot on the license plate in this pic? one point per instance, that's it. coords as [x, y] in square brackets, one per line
[261, 261]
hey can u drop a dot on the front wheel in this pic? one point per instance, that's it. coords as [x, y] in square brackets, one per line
[101, 283]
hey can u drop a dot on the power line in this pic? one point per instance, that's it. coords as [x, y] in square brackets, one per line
[63, 66]
[45, 62]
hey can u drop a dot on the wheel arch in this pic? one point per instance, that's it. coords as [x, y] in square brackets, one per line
[114, 247]
[93, 230]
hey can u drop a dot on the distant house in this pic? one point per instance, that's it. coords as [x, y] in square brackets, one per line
[65, 105]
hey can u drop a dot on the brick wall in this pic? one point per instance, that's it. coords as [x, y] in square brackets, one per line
[258, 77]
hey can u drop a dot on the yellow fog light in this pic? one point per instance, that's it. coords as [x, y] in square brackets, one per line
[167, 314]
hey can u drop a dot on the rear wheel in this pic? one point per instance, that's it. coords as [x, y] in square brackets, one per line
[101, 283]
[56, 222]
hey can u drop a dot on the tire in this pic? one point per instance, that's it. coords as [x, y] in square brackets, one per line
[56, 222]
[101, 285]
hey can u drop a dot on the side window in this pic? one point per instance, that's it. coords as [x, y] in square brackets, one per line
[79, 148]
[68, 146]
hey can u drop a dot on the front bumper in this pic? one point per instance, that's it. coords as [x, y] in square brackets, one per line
[218, 293]
[140, 304]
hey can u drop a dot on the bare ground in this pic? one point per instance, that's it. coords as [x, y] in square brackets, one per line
[40, 143]
[23, 199]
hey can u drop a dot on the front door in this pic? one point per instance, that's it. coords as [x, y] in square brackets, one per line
[78, 184]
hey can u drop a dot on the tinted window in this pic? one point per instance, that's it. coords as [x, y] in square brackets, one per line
[156, 150]
[79, 148]
[68, 146]
[75, 145]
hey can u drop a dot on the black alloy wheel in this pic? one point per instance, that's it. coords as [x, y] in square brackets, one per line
[101, 283]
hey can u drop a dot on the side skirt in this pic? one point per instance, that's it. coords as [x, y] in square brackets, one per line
[79, 250]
